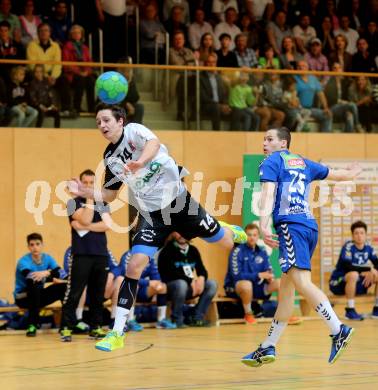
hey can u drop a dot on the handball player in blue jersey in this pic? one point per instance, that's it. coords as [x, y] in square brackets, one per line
[286, 179]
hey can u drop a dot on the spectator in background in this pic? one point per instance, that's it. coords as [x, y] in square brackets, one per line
[152, 31]
[356, 18]
[80, 78]
[220, 7]
[336, 92]
[175, 23]
[213, 94]
[198, 28]
[268, 60]
[89, 260]
[181, 268]
[340, 54]
[169, 4]
[354, 274]
[12, 19]
[149, 286]
[19, 99]
[241, 101]
[42, 97]
[226, 57]
[277, 30]
[291, 9]
[9, 49]
[180, 55]
[45, 49]
[313, 8]
[260, 10]
[228, 26]
[303, 33]
[308, 87]
[60, 23]
[5, 112]
[360, 92]
[325, 34]
[363, 60]
[33, 270]
[289, 56]
[270, 107]
[371, 36]
[350, 34]
[206, 48]
[253, 31]
[29, 23]
[332, 14]
[245, 56]
[315, 58]
[112, 14]
[250, 274]
[134, 109]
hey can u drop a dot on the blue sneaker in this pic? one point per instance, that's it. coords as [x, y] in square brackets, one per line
[374, 313]
[134, 326]
[351, 314]
[260, 356]
[340, 342]
[166, 324]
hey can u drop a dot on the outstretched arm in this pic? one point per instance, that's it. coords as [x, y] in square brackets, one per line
[150, 150]
[266, 204]
[77, 188]
[349, 173]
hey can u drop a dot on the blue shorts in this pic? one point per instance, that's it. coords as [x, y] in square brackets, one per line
[117, 271]
[337, 286]
[142, 294]
[296, 246]
[259, 291]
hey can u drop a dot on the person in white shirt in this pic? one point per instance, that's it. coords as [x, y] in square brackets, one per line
[198, 28]
[303, 33]
[228, 27]
[220, 6]
[350, 34]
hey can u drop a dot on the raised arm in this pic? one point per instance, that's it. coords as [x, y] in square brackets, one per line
[266, 204]
[76, 188]
[150, 150]
[349, 173]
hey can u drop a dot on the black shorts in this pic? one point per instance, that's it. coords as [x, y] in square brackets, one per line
[191, 220]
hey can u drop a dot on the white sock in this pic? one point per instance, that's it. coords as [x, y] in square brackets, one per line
[376, 301]
[131, 315]
[274, 333]
[350, 303]
[79, 313]
[113, 313]
[161, 313]
[120, 319]
[329, 316]
[247, 308]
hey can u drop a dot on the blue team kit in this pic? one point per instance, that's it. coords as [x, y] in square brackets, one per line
[292, 218]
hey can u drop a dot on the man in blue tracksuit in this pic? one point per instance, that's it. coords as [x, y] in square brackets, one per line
[249, 274]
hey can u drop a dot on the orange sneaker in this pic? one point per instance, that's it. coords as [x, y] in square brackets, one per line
[294, 320]
[249, 318]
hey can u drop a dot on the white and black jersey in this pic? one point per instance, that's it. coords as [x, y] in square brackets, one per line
[153, 187]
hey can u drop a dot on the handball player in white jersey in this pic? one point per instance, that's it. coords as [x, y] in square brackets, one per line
[136, 157]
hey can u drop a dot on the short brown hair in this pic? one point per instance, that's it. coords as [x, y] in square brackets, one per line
[358, 224]
[252, 226]
[34, 237]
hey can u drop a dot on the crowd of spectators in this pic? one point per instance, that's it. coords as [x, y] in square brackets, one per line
[268, 34]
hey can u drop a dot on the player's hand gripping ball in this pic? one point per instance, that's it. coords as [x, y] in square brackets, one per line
[111, 87]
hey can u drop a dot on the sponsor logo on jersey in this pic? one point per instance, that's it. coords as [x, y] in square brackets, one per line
[293, 161]
[132, 146]
[258, 259]
[153, 169]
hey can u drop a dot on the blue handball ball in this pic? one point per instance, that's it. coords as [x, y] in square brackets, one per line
[111, 87]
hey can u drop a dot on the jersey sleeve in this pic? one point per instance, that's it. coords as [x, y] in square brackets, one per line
[373, 257]
[317, 171]
[111, 181]
[51, 262]
[269, 170]
[23, 264]
[139, 135]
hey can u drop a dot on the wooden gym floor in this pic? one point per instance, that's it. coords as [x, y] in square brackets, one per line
[203, 358]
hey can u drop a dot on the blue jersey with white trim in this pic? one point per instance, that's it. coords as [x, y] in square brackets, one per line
[351, 255]
[293, 175]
